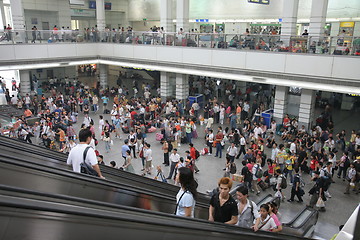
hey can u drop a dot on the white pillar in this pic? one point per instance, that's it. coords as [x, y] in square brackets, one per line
[165, 86]
[103, 75]
[166, 19]
[2, 13]
[182, 15]
[280, 103]
[182, 86]
[100, 18]
[307, 108]
[318, 18]
[289, 19]
[25, 86]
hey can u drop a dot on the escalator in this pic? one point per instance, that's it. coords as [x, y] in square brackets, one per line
[302, 224]
[38, 155]
[19, 173]
[41, 173]
[32, 215]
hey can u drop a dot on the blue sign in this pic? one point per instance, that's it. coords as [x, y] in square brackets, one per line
[92, 4]
[280, 19]
[202, 20]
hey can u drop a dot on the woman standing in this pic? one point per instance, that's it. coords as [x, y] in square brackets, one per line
[265, 222]
[187, 195]
[148, 158]
[127, 165]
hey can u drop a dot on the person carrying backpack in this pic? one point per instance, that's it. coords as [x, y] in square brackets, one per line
[257, 173]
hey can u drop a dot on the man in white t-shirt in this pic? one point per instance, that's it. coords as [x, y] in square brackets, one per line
[75, 157]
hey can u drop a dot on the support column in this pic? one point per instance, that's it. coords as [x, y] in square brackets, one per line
[307, 108]
[17, 12]
[166, 19]
[318, 18]
[103, 75]
[289, 19]
[182, 15]
[25, 85]
[2, 13]
[100, 18]
[165, 86]
[280, 103]
[182, 86]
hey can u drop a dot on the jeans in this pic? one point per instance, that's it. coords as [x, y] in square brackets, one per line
[107, 146]
[343, 170]
[290, 173]
[188, 137]
[210, 145]
[295, 193]
[218, 150]
[166, 158]
[133, 149]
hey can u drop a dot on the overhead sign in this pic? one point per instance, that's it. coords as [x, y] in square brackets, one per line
[77, 2]
[347, 24]
[266, 2]
[202, 20]
[82, 13]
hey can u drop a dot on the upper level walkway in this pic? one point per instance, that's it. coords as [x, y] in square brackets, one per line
[269, 65]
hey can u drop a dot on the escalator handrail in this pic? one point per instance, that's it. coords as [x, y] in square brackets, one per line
[87, 178]
[289, 224]
[130, 214]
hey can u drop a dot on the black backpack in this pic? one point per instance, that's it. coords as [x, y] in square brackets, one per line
[197, 154]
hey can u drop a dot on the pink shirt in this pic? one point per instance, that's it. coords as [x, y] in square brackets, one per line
[276, 220]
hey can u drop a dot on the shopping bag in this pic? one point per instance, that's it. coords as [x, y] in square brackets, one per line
[278, 194]
[320, 203]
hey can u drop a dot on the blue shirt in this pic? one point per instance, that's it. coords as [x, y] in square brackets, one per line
[124, 148]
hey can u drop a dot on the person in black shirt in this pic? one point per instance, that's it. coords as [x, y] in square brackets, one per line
[223, 207]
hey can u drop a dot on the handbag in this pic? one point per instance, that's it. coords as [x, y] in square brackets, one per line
[85, 168]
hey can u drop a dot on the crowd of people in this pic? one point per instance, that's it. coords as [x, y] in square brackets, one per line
[240, 132]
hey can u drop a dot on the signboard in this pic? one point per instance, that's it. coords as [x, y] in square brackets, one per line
[202, 20]
[82, 13]
[265, 2]
[108, 6]
[92, 4]
[77, 2]
[347, 24]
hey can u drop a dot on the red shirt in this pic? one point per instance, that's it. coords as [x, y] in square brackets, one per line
[192, 153]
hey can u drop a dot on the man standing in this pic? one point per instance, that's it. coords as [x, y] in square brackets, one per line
[223, 207]
[231, 151]
[247, 209]
[193, 157]
[242, 146]
[125, 148]
[174, 158]
[76, 155]
[218, 138]
[165, 148]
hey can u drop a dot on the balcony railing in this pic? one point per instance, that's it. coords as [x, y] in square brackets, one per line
[338, 45]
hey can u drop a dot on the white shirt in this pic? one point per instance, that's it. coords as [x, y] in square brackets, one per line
[232, 151]
[75, 157]
[187, 200]
[242, 141]
[174, 157]
[269, 224]
[293, 147]
[148, 154]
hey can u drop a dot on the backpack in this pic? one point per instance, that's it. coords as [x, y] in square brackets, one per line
[233, 168]
[197, 154]
[259, 172]
[283, 184]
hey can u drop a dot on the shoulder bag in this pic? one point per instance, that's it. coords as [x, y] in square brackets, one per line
[85, 168]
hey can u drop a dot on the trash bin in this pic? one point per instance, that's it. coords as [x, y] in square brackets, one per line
[267, 115]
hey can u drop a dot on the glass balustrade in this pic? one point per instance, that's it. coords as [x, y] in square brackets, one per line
[336, 45]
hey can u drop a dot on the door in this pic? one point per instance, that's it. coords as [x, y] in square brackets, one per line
[45, 34]
[50, 73]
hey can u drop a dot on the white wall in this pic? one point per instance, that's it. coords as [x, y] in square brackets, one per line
[42, 16]
[60, 6]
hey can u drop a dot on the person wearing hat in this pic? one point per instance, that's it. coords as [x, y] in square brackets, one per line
[174, 159]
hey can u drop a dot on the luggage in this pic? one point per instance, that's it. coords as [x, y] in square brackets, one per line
[159, 136]
[125, 129]
[106, 111]
[262, 185]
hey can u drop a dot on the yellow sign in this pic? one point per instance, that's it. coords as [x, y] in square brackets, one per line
[347, 24]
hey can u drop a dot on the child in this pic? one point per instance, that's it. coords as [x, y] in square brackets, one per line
[265, 222]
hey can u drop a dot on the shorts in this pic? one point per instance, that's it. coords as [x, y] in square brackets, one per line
[148, 164]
